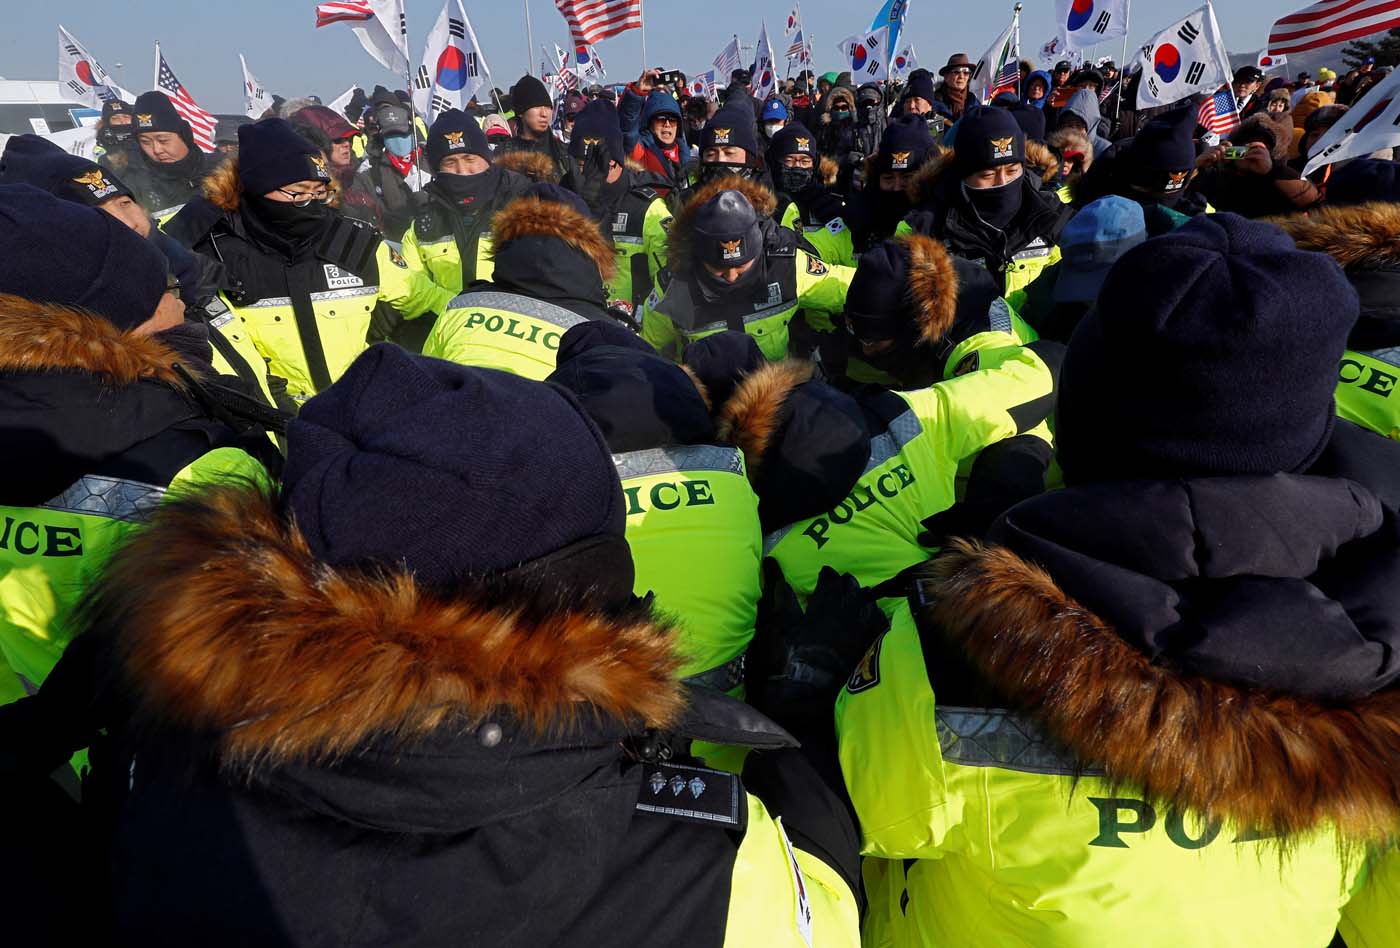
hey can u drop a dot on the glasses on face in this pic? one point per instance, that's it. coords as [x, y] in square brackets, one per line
[961, 71]
[303, 198]
[665, 120]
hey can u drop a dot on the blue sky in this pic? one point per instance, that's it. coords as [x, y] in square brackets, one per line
[202, 38]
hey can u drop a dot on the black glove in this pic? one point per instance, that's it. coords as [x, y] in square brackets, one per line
[798, 661]
[594, 179]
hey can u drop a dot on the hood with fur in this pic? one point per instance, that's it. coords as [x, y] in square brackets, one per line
[1359, 235]
[1041, 160]
[535, 165]
[750, 419]
[763, 200]
[1271, 761]
[925, 181]
[535, 217]
[47, 337]
[225, 623]
[933, 286]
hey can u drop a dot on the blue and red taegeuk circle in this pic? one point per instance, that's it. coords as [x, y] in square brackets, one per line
[1166, 62]
[858, 57]
[451, 69]
[1079, 13]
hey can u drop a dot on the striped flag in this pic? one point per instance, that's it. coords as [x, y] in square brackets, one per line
[1219, 113]
[201, 122]
[999, 69]
[1008, 80]
[728, 60]
[342, 12]
[797, 47]
[593, 20]
[1331, 22]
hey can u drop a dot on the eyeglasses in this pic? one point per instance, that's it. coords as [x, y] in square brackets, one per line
[666, 120]
[303, 198]
[961, 71]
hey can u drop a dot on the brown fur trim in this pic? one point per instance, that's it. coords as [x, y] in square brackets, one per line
[700, 387]
[920, 189]
[226, 621]
[750, 418]
[633, 165]
[532, 164]
[1072, 139]
[223, 187]
[678, 238]
[933, 286]
[532, 216]
[46, 337]
[1041, 159]
[1276, 763]
[827, 171]
[1358, 234]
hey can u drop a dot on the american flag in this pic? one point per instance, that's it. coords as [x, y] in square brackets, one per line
[1108, 92]
[1219, 114]
[593, 20]
[1331, 22]
[798, 47]
[1008, 80]
[347, 10]
[201, 122]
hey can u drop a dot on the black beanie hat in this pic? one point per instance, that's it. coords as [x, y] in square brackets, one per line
[987, 138]
[56, 251]
[597, 127]
[549, 191]
[793, 139]
[726, 231]
[905, 145]
[1213, 351]
[733, 125]
[272, 155]
[1031, 120]
[1166, 143]
[594, 333]
[637, 399]
[920, 87]
[29, 159]
[722, 360]
[156, 113]
[115, 107]
[454, 132]
[529, 93]
[504, 470]
[1359, 181]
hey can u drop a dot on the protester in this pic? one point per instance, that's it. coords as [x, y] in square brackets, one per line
[393, 164]
[534, 111]
[954, 94]
[652, 130]
[336, 139]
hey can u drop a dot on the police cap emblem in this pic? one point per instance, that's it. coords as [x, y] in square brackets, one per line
[145, 119]
[803, 144]
[1002, 148]
[318, 167]
[1176, 180]
[454, 140]
[899, 161]
[729, 249]
[722, 136]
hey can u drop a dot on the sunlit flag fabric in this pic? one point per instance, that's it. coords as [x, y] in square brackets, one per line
[865, 55]
[591, 21]
[728, 60]
[1186, 58]
[589, 64]
[452, 68]
[202, 123]
[256, 101]
[999, 68]
[794, 22]
[797, 47]
[82, 77]
[905, 61]
[1219, 113]
[379, 25]
[703, 85]
[762, 76]
[1085, 23]
[1267, 61]
[1370, 125]
[1331, 22]
[891, 15]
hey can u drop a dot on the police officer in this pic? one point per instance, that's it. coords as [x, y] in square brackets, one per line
[985, 207]
[116, 138]
[99, 422]
[875, 211]
[309, 285]
[692, 518]
[627, 204]
[1109, 815]
[803, 182]
[847, 479]
[170, 168]
[1155, 168]
[550, 267]
[730, 266]
[729, 146]
[451, 236]
[33, 160]
[503, 709]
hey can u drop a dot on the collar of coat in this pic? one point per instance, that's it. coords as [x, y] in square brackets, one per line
[1275, 762]
[225, 623]
[47, 337]
[763, 200]
[1361, 235]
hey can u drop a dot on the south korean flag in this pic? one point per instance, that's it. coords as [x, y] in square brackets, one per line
[866, 55]
[1186, 58]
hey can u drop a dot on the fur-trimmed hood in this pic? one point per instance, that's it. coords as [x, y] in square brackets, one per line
[1270, 762]
[534, 165]
[1365, 235]
[1040, 159]
[224, 623]
[827, 171]
[751, 417]
[223, 187]
[1072, 140]
[763, 200]
[925, 181]
[933, 286]
[47, 337]
[536, 217]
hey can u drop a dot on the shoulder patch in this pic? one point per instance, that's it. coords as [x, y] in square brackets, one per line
[693, 795]
[815, 267]
[666, 223]
[646, 192]
[395, 257]
[836, 225]
[968, 364]
[867, 673]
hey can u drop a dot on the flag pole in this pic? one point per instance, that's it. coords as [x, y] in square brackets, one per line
[642, 15]
[155, 80]
[1122, 67]
[529, 40]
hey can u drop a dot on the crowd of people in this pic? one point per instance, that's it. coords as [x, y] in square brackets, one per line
[863, 515]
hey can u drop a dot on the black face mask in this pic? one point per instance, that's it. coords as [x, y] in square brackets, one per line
[463, 190]
[714, 170]
[713, 288]
[292, 224]
[793, 180]
[995, 206]
[912, 365]
[841, 115]
[890, 208]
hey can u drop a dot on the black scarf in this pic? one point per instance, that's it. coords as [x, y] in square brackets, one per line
[284, 227]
